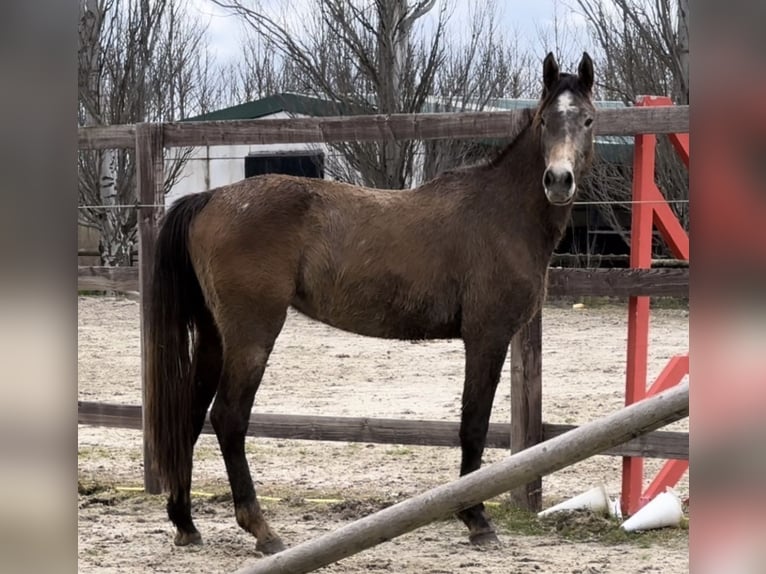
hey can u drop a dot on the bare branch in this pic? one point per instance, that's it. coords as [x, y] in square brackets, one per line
[415, 13]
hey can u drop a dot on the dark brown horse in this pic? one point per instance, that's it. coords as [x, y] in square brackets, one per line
[464, 255]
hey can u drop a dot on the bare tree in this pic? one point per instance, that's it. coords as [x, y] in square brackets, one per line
[645, 46]
[475, 72]
[644, 50]
[260, 72]
[389, 56]
[97, 169]
[558, 34]
[364, 57]
[139, 60]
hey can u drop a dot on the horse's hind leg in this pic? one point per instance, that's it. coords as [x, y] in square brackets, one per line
[248, 341]
[484, 362]
[206, 372]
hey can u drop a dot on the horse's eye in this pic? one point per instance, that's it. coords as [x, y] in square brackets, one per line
[588, 122]
[542, 122]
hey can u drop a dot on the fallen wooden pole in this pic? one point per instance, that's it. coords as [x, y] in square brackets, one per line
[520, 468]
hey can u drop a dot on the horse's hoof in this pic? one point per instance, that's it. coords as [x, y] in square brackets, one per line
[271, 546]
[187, 538]
[484, 538]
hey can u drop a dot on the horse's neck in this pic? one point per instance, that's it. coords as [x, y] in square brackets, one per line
[519, 177]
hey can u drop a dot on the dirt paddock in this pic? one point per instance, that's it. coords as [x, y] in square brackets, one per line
[309, 488]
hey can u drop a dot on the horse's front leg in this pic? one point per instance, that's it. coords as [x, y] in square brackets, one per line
[484, 357]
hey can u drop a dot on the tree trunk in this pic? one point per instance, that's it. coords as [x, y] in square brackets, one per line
[392, 44]
[395, 21]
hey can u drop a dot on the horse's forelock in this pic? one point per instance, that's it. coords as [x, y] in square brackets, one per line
[567, 83]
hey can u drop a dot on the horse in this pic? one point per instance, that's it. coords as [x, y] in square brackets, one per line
[465, 255]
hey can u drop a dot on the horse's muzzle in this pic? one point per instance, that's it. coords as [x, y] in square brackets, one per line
[559, 185]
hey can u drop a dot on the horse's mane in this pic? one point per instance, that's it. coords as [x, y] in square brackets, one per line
[523, 120]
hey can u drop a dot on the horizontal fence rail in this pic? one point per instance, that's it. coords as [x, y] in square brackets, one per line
[122, 279]
[463, 125]
[657, 444]
[665, 282]
[107, 137]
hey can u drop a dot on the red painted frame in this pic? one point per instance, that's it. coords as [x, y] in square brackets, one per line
[650, 210]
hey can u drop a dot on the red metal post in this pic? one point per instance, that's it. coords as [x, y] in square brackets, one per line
[638, 307]
[650, 209]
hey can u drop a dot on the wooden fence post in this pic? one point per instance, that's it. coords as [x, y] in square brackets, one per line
[151, 196]
[527, 404]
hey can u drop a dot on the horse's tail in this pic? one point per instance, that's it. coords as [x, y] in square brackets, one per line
[175, 304]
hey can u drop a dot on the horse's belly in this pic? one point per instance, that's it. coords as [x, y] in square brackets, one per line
[385, 317]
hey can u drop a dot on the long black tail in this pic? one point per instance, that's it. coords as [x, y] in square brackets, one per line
[176, 302]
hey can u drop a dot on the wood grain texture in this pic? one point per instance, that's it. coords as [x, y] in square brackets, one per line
[527, 404]
[107, 137]
[150, 177]
[119, 279]
[466, 125]
[665, 282]
[658, 444]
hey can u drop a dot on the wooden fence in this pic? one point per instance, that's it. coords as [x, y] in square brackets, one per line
[662, 282]
[526, 428]
[658, 444]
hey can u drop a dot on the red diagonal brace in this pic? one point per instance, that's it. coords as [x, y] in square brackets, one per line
[673, 373]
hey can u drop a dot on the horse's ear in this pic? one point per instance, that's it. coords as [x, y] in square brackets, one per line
[550, 72]
[585, 71]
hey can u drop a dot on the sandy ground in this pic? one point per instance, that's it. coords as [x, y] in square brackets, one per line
[310, 488]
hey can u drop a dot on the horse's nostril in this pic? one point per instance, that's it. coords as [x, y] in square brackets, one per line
[548, 178]
[568, 179]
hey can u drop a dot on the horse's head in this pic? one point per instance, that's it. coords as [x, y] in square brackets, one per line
[565, 120]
